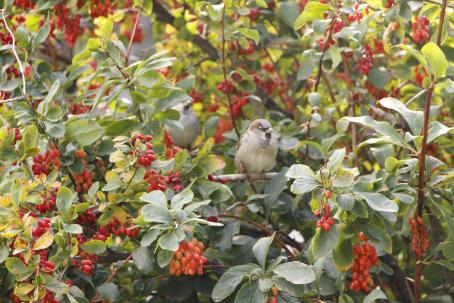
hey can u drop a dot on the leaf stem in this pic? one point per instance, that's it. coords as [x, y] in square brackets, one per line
[422, 156]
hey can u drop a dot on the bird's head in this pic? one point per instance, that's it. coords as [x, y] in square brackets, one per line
[262, 129]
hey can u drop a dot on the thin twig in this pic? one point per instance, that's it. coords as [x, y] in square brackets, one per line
[325, 48]
[264, 229]
[422, 155]
[13, 40]
[439, 3]
[136, 23]
[415, 97]
[18, 98]
[224, 69]
[111, 277]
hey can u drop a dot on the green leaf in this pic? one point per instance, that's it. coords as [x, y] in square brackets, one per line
[378, 202]
[381, 127]
[182, 198]
[302, 186]
[251, 293]
[44, 241]
[85, 132]
[95, 247]
[313, 10]
[379, 77]
[4, 253]
[105, 27]
[43, 106]
[109, 291]
[298, 171]
[324, 242]
[261, 248]
[30, 141]
[230, 280]
[169, 241]
[251, 34]
[73, 228]
[16, 266]
[121, 127]
[143, 258]
[157, 210]
[138, 98]
[149, 237]
[295, 272]
[374, 295]
[413, 118]
[343, 178]
[436, 59]
[343, 254]
[64, 200]
[43, 33]
[436, 129]
[335, 160]
[415, 53]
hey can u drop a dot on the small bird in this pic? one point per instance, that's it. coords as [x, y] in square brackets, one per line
[257, 148]
[185, 136]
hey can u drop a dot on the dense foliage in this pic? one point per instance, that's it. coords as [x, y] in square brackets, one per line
[99, 203]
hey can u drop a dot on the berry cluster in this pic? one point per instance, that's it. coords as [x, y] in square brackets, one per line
[224, 88]
[68, 23]
[100, 8]
[171, 149]
[161, 182]
[420, 243]
[78, 108]
[420, 75]
[117, 228]
[325, 221]
[43, 226]
[42, 162]
[45, 265]
[87, 217]
[138, 34]
[325, 42]
[144, 157]
[24, 4]
[48, 203]
[17, 135]
[420, 29]
[365, 258]
[86, 262]
[274, 293]
[238, 103]
[49, 298]
[83, 180]
[357, 15]
[224, 125]
[365, 60]
[188, 259]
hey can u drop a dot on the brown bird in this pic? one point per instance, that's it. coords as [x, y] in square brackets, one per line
[257, 148]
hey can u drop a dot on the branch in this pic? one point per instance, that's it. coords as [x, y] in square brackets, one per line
[325, 48]
[268, 231]
[224, 70]
[400, 285]
[242, 177]
[136, 23]
[164, 16]
[110, 278]
[422, 155]
[21, 68]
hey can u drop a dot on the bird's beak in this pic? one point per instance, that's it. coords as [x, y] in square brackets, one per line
[269, 130]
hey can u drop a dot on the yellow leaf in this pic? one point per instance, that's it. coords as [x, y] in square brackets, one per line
[44, 241]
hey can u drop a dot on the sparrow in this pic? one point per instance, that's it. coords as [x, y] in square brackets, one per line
[185, 136]
[257, 148]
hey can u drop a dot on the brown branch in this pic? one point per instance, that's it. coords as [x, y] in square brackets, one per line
[268, 231]
[351, 102]
[224, 70]
[136, 23]
[164, 16]
[242, 177]
[422, 155]
[325, 48]
[399, 284]
[110, 278]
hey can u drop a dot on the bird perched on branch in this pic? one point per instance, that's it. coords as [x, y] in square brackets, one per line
[257, 148]
[185, 135]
